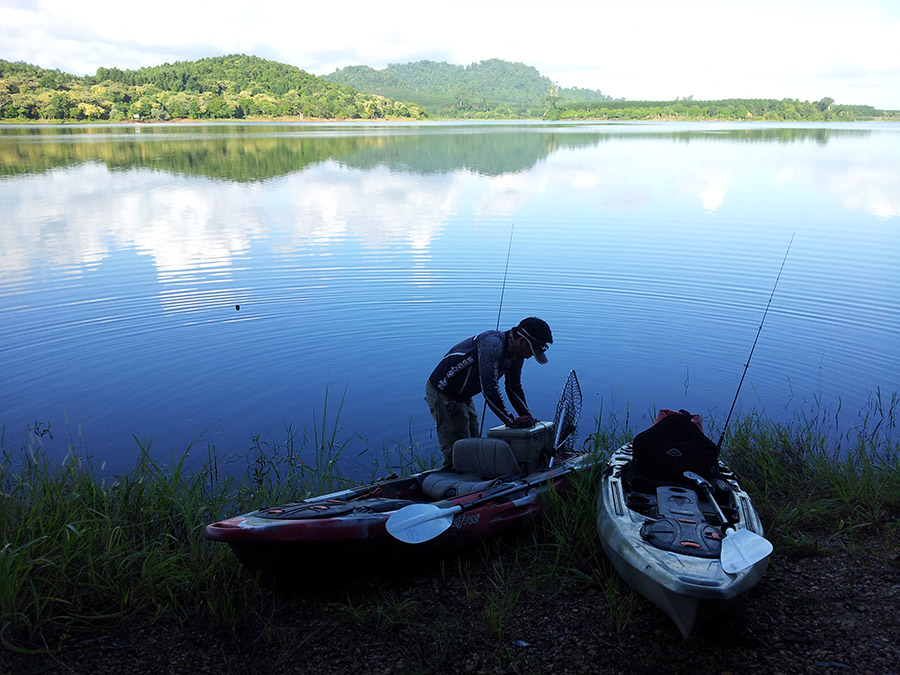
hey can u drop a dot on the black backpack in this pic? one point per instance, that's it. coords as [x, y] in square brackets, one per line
[674, 444]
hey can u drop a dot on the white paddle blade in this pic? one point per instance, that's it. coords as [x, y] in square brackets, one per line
[742, 549]
[418, 523]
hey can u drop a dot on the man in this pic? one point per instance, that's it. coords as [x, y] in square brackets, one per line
[476, 365]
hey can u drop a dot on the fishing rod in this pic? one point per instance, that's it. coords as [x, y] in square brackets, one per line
[512, 227]
[505, 270]
[758, 331]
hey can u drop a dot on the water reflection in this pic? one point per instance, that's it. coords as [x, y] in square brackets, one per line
[402, 186]
[253, 153]
[249, 152]
[356, 254]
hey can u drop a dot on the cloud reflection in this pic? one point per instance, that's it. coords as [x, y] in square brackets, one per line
[378, 207]
[77, 217]
[710, 185]
[866, 188]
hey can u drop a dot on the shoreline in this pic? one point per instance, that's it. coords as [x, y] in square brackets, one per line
[408, 122]
[827, 614]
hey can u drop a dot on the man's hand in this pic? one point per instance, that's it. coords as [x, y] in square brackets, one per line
[521, 422]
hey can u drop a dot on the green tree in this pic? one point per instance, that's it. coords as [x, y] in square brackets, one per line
[58, 108]
[218, 108]
[825, 104]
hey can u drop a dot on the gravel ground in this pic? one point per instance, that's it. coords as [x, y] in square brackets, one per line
[834, 612]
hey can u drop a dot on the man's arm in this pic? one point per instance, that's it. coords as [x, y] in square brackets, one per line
[514, 390]
[490, 351]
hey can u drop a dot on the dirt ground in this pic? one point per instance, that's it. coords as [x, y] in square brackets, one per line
[829, 613]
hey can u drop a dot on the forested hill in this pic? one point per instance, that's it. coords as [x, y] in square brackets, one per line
[240, 86]
[224, 87]
[234, 73]
[494, 86]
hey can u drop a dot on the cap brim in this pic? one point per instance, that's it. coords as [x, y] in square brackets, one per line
[540, 357]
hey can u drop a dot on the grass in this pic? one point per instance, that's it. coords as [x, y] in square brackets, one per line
[82, 552]
[810, 477]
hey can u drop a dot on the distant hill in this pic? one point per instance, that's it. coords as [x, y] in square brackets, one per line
[234, 73]
[492, 87]
[238, 86]
[223, 87]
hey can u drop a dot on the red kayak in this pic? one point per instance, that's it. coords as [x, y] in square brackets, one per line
[495, 487]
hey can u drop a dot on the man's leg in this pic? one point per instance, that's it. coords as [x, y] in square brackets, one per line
[454, 420]
[474, 431]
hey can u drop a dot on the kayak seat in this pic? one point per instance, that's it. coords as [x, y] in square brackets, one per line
[675, 443]
[486, 457]
[478, 464]
[639, 482]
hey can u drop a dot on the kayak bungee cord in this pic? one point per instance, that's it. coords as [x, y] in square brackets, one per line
[759, 330]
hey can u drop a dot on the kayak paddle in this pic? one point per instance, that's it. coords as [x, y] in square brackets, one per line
[418, 523]
[740, 548]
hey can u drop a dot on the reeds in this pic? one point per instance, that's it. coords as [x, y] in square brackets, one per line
[81, 551]
[819, 475]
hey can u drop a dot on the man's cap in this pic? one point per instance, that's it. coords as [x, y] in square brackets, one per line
[537, 333]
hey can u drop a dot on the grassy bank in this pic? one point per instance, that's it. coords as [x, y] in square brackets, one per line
[84, 554]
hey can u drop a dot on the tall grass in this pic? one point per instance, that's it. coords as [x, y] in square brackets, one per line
[568, 553]
[80, 550]
[816, 477]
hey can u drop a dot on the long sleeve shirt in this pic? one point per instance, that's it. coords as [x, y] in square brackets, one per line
[476, 365]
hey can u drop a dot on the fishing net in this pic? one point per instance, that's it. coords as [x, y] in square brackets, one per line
[568, 411]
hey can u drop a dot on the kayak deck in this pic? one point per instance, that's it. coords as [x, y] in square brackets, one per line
[665, 540]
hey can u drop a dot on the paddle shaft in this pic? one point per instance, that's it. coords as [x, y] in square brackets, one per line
[707, 490]
[758, 331]
[515, 488]
[419, 523]
[740, 548]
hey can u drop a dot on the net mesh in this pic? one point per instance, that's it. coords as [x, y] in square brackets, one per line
[568, 411]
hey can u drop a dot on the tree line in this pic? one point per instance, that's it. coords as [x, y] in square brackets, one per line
[729, 109]
[226, 87]
[240, 87]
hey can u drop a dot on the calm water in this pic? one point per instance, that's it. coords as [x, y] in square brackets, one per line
[359, 254]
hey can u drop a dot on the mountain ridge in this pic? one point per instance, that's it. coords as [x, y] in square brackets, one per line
[234, 86]
[238, 86]
[492, 84]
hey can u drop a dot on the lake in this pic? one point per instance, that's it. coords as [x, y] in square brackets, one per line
[223, 283]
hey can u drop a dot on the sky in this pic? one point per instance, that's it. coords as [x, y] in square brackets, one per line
[633, 49]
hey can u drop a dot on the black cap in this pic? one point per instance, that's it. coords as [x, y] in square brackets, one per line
[537, 333]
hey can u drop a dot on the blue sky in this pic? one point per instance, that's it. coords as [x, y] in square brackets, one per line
[636, 49]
